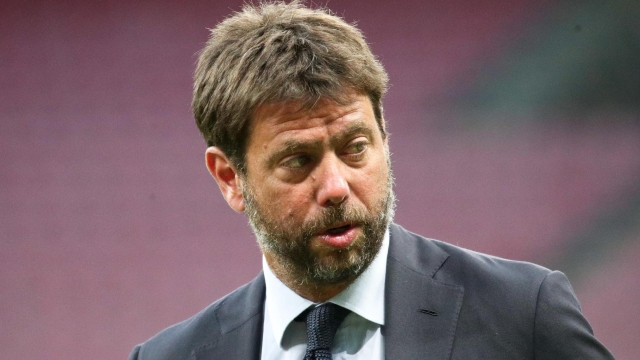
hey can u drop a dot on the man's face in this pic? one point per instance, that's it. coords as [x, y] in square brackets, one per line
[318, 189]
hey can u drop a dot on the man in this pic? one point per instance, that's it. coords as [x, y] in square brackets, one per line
[289, 101]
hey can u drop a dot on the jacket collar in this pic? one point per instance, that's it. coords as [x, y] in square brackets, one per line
[421, 312]
[238, 325]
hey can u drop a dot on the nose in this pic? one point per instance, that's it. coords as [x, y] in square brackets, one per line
[333, 188]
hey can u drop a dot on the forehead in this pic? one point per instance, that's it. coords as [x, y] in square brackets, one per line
[277, 120]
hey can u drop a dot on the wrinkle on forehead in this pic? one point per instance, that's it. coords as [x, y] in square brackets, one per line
[277, 118]
[325, 110]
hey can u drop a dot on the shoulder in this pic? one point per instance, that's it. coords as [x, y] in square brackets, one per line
[513, 307]
[498, 294]
[465, 265]
[179, 340]
[461, 266]
[206, 327]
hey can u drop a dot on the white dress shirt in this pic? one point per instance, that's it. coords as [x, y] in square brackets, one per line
[358, 336]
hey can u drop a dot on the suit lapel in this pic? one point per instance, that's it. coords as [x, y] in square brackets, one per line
[239, 319]
[420, 312]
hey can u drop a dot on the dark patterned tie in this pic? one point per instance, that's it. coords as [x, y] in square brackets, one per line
[322, 323]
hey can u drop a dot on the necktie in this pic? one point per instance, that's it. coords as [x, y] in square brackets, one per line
[322, 323]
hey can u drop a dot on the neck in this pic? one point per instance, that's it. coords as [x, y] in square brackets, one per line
[313, 292]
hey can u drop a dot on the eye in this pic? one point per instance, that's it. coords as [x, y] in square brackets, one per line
[356, 148]
[296, 161]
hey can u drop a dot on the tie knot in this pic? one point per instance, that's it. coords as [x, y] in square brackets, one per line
[322, 323]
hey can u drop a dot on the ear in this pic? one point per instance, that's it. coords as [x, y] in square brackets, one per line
[226, 176]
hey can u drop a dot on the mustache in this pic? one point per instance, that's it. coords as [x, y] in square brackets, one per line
[332, 217]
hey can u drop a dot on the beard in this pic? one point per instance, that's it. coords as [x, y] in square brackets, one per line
[290, 241]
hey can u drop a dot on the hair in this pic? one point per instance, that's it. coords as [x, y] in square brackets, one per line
[278, 52]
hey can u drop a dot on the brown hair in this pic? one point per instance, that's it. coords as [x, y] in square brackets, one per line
[277, 52]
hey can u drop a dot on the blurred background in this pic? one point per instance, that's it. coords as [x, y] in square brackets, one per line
[515, 131]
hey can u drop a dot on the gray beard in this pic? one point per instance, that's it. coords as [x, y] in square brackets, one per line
[290, 243]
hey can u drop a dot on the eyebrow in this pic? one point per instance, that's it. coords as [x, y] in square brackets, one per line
[357, 127]
[291, 146]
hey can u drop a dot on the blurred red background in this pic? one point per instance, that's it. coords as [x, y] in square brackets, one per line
[515, 131]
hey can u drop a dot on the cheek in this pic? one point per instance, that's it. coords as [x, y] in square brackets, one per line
[372, 184]
[380, 170]
[289, 202]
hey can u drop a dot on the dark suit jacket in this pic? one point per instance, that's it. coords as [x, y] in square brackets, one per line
[442, 302]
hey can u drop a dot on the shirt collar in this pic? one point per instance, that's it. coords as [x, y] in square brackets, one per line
[365, 296]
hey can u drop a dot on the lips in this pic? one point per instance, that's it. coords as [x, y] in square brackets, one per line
[339, 236]
[338, 230]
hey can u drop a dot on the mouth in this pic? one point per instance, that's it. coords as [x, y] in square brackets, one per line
[339, 236]
[338, 230]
